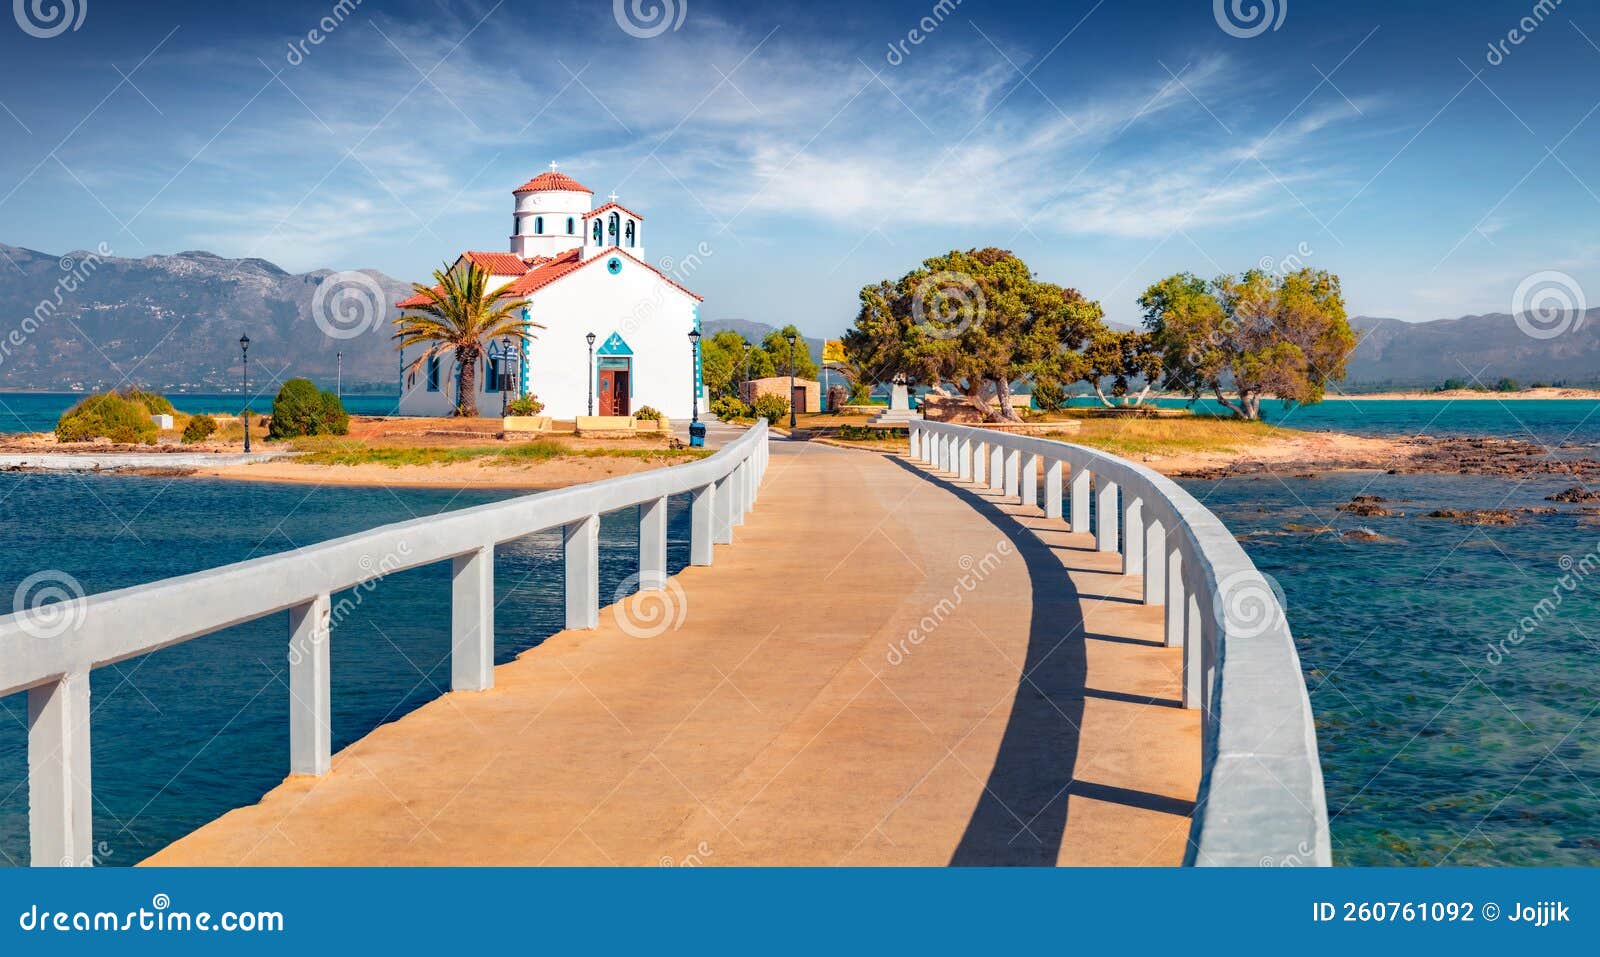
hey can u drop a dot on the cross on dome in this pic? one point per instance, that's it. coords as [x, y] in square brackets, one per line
[613, 196]
[553, 165]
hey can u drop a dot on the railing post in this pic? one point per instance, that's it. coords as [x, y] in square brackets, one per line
[310, 695]
[964, 460]
[1082, 480]
[1030, 479]
[1013, 472]
[581, 547]
[1052, 488]
[653, 544]
[702, 523]
[60, 798]
[472, 620]
[1193, 657]
[1176, 599]
[1132, 535]
[724, 511]
[997, 466]
[736, 507]
[1106, 514]
[980, 462]
[914, 435]
[1155, 566]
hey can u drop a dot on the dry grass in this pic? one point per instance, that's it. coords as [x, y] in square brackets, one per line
[328, 450]
[1158, 437]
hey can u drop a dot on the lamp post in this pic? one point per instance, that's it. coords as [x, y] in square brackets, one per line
[244, 352]
[501, 376]
[791, 337]
[697, 429]
[338, 375]
[590, 340]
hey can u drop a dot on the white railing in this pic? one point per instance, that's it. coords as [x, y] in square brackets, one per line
[1260, 798]
[112, 626]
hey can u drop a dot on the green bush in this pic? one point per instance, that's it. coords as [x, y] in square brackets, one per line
[301, 409]
[773, 408]
[729, 408]
[199, 429]
[525, 405]
[1049, 396]
[155, 403]
[1507, 385]
[108, 415]
[646, 412]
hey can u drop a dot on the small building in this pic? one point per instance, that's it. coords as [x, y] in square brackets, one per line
[806, 398]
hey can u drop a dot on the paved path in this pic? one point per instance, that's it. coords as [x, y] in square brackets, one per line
[1032, 720]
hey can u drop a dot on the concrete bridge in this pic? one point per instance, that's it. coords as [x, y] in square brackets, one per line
[926, 659]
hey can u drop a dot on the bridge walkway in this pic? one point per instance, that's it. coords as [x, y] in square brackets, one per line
[887, 667]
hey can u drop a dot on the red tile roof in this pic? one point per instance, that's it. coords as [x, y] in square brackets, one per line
[497, 264]
[544, 273]
[613, 205]
[416, 301]
[552, 180]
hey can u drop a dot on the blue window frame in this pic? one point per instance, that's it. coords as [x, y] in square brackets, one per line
[570, 230]
[538, 225]
[433, 373]
[597, 232]
[629, 229]
[491, 379]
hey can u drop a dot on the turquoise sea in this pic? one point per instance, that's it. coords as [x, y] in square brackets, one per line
[1443, 741]
[38, 411]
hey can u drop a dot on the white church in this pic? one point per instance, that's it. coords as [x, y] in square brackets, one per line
[616, 329]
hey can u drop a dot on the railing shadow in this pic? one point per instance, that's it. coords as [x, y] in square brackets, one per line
[1022, 814]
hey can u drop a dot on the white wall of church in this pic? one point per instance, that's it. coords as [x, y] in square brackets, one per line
[555, 207]
[652, 316]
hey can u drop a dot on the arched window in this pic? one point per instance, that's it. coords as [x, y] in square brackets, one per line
[538, 225]
[629, 232]
[597, 232]
[570, 230]
[516, 225]
[611, 227]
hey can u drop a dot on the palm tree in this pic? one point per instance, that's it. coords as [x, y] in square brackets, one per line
[462, 317]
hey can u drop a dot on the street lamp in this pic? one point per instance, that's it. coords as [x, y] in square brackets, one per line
[503, 378]
[790, 337]
[244, 351]
[590, 340]
[697, 429]
[338, 375]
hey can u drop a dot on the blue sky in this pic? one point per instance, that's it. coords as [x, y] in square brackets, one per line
[1107, 144]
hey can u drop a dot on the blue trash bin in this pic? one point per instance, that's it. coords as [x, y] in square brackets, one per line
[697, 434]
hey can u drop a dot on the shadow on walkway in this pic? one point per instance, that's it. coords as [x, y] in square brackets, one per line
[1021, 817]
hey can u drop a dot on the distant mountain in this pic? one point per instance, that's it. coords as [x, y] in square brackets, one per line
[1400, 354]
[86, 321]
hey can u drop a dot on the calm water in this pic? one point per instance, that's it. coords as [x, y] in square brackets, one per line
[1441, 742]
[189, 732]
[38, 411]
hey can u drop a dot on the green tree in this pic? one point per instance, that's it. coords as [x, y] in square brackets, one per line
[461, 316]
[1259, 334]
[775, 345]
[1121, 357]
[972, 323]
[727, 359]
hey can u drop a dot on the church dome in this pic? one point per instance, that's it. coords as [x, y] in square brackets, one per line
[550, 181]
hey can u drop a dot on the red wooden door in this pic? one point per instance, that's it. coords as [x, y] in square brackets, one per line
[608, 387]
